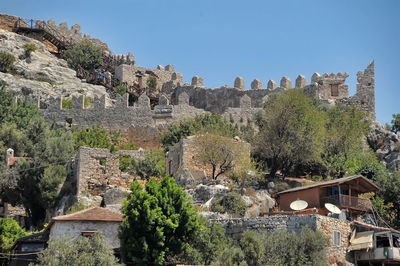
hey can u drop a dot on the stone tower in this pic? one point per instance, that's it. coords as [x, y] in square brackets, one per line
[9, 154]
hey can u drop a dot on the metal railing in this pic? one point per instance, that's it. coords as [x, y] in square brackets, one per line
[347, 201]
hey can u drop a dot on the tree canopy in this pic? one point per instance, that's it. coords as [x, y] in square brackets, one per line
[84, 54]
[88, 251]
[159, 222]
[9, 232]
[207, 123]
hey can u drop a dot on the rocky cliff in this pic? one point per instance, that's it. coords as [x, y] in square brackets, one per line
[386, 145]
[42, 74]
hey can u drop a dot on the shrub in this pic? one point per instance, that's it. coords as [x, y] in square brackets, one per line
[6, 61]
[9, 232]
[152, 82]
[88, 101]
[44, 79]
[120, 89]
[84, 54]
[66, 103]
[89, 251]
[252, 247]
[231, 203]
[29, 48]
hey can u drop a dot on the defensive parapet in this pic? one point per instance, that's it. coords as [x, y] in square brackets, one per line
[138, 122]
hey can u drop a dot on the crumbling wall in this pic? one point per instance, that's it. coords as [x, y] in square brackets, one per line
[98, 170]
[8, 22]
[140, 123]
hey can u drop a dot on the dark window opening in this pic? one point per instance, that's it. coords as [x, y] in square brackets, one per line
[334, 90]
[382, 241]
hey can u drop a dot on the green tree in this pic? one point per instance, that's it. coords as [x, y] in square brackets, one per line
[84, 54]
[231, 203]
[153, 165]
[252, 247]
[152, 82]
[206, 245]
[291, 133]
[6, 61]
[395, 123]
[345, 128]
[231, 257]
[9, 232]
[88, 251]
[207, 123]
[216, 151]
[159, 222]
[306, 248]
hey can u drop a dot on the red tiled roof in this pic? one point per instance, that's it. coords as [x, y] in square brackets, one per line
[92, 214]
[12, 160]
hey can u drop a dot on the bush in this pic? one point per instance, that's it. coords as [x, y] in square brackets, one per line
[84, 54]
[6, 62]
[29, 48]
[120, 89]
[231, 203]
[152, 82]
[159, 221]
[44, 79]
[89, 251]
[9, 232]
[231, 257]
[252, 247]
[66, 103]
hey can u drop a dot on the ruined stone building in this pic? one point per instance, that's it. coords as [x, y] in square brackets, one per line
[185, 165]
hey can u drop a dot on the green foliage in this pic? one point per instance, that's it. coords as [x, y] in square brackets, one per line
[120, 89]
[206, 123]
[53, 177]
[29, 48]
[87, 101]
[307, 248]
[84, 54]
[34, 182]
[78, 206]
[231, 257]
[252, 247]
[88, 251]
[206, 246]
[395, 123]
[389, 182]
[20, 114]
[159, 222]
[345, 128]
[9, 232]
[47, 80]
[231, 203]
[6, 61]
[66, 103]
[94, 137]
[152, 82]
[291, 133]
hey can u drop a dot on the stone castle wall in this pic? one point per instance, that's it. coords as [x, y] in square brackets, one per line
[140, 123]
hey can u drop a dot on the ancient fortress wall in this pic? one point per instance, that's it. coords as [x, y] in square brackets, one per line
[141, 123]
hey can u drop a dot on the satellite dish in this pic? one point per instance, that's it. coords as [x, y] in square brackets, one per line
[298, 205]
[332, 208]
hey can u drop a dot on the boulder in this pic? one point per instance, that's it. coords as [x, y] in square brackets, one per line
[114, 196]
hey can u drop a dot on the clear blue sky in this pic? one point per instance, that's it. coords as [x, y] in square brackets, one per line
[220, 40]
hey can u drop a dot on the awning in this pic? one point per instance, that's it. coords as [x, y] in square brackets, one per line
[361, 240]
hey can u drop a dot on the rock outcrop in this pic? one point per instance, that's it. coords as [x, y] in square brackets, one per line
[42, 74]
[386, 145]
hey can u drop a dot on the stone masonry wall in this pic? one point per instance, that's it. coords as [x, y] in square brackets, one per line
[98, 170]
[185, 155]
[140, 122]
[235, 228]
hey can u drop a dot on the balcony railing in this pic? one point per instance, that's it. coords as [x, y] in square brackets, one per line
[347, 201]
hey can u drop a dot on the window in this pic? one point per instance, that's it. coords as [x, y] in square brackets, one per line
[335, 90]
[382, 241]
[88, 233]
[336, 238]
